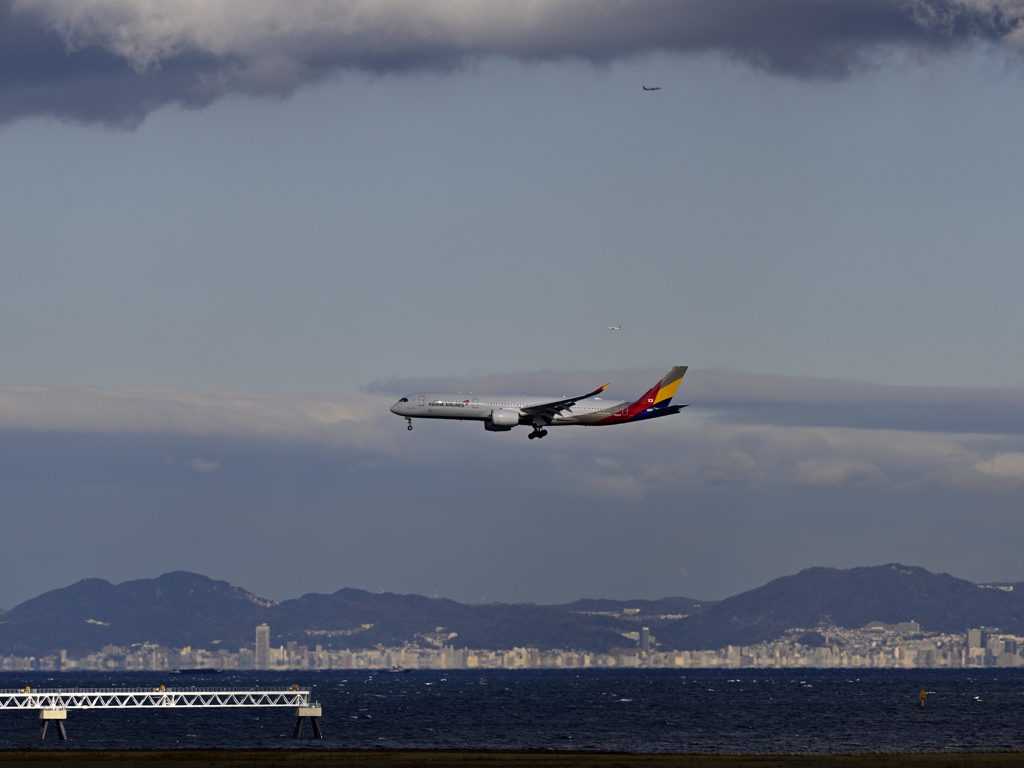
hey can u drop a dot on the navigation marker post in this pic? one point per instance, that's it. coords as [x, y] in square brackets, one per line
[58, 716]
[310, 710]
[312, 713]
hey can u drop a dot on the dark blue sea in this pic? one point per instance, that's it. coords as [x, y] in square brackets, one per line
[691, 711]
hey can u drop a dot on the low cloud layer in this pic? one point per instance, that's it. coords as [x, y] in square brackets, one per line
[175, 411]
[720, 396]
[741, 430]
[779, 400]
[334, 491]
[114, 61]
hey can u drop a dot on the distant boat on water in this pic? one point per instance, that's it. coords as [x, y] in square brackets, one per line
[393, 670]
[197, 671]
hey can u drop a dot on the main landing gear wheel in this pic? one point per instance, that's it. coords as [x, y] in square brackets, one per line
[538, 433]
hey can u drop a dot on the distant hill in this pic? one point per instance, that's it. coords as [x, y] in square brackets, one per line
[849, 598]
[397, 619]
[179, 609]
[175, 610]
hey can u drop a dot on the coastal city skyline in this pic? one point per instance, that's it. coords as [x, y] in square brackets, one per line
[890, 616]
[876, 646]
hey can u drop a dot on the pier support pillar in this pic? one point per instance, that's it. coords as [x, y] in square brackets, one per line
[58, 716]
[312, 713]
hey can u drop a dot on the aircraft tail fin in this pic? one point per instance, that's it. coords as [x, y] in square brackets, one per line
[663, 392]
[657, 401]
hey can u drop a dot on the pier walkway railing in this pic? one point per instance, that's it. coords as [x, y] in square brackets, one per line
[54, 703]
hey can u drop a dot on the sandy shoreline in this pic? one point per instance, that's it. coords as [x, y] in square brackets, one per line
[241, 758]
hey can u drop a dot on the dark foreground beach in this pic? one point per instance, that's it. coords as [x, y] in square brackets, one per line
[201, 758]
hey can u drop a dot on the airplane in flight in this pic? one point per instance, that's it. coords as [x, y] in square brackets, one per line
[500, 413]
[614, 327]
[654, 88]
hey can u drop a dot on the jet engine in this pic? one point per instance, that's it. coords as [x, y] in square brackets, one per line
[502, 420]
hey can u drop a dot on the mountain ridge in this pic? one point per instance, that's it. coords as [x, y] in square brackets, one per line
[179, 609]
[850, 598]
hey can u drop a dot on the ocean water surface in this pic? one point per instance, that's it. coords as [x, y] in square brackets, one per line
[691, 711]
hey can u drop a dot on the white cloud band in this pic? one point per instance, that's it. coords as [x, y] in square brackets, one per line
[697, 447]
[169, 410]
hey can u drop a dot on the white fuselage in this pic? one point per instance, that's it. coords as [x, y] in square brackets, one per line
[456, 405]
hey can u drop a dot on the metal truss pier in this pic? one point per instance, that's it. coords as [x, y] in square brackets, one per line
[54, 703]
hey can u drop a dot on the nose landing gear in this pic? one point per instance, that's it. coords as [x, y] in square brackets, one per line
[410, 423]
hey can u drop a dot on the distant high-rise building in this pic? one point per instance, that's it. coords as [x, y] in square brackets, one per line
[974, 638]
[645, 639]
[262, 647]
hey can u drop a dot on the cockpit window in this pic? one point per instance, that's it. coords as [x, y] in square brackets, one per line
[404, 400]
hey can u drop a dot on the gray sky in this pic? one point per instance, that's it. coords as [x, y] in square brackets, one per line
[233, 233]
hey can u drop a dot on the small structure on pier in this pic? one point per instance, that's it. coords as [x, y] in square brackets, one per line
[53, 703]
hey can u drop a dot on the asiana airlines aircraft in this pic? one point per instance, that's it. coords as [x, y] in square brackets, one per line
[500, 413]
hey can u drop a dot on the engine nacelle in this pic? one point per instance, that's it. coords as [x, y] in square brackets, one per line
[502, 420]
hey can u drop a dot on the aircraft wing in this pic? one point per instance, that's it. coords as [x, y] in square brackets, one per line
[548, 411]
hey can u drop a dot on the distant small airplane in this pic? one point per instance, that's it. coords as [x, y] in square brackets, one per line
[655, 88]
[614, 327]
[500, 413]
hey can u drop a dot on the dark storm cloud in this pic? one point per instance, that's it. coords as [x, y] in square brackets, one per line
[40, 77]
[113, 61]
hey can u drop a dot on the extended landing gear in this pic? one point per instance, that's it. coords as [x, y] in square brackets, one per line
[410, 423]
[538, 433]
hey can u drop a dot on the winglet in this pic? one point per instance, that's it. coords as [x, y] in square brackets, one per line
[550, 410]
[597, 391]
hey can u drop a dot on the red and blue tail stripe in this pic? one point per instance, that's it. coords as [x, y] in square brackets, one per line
[657, 401]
